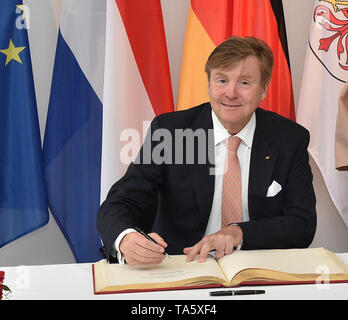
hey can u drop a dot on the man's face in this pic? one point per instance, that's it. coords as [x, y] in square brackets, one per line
[235, 93]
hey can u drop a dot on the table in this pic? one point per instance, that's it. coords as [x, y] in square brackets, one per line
[74, 281]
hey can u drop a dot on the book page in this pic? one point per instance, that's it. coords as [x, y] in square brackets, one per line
[297, 261]
[172, 270]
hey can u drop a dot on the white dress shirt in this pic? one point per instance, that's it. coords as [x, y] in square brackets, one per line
[243, 153]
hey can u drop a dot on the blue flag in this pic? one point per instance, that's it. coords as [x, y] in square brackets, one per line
[73, 136]
[23, 205]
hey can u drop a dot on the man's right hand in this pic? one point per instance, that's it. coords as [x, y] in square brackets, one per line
[137, 250]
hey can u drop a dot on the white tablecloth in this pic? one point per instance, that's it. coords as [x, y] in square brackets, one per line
[75, 282]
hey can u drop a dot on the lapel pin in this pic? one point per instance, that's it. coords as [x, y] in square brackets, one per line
[268, 157]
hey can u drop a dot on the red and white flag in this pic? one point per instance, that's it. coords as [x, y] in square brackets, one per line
[324, 77]
[137, 83]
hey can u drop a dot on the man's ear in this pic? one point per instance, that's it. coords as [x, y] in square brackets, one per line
[264, 93]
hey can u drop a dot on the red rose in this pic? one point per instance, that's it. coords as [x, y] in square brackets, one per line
[2, 286]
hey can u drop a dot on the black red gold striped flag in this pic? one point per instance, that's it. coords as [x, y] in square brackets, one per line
[211, 22]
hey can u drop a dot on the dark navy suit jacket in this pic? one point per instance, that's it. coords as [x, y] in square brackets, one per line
[175, 199]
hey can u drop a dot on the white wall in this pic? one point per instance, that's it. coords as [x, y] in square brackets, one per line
[47, 245]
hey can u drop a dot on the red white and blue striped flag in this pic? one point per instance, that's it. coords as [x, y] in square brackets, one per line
[104, 86]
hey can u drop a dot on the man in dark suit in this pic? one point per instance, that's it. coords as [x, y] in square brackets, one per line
[174, 188]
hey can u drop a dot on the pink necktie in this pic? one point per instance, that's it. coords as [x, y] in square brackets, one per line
[232, 186]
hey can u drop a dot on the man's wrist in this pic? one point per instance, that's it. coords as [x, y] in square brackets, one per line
[239, 237]
[119, 255]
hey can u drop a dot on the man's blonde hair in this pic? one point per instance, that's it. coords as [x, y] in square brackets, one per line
[235, 49]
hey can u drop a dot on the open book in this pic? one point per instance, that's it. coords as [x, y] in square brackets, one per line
[243, 267]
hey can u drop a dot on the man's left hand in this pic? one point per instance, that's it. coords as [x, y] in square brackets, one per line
[222, 242]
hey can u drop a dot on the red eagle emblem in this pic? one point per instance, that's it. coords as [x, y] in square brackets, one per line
[334, 23]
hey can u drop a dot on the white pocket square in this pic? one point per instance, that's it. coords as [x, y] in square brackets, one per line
[274, 189]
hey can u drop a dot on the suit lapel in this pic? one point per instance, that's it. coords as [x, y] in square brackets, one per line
[203, 173]
[263, 157]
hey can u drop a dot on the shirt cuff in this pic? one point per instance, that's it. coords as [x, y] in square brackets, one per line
[119, 255]
[240, 244]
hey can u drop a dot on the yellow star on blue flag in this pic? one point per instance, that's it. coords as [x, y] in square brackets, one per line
[22, 7]
[12, 53]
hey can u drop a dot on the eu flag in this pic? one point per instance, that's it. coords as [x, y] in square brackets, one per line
[23, 205]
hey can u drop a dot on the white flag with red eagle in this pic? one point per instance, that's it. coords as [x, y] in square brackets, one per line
[324, 78]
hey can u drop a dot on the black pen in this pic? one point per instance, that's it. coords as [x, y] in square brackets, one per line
[149, 238]
[235, 292]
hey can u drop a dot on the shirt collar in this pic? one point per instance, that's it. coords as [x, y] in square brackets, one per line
[246, 134]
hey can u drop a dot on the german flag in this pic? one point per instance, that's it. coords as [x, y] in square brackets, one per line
[211, 22]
